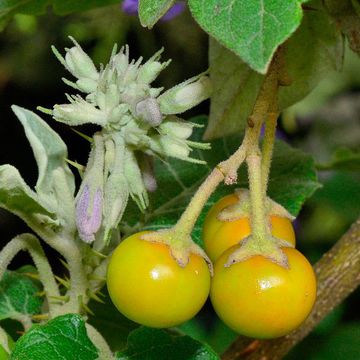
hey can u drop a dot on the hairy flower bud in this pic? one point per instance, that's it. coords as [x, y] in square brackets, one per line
[88, 214]
[170, 146]
[185, 95]
[89, 201]
[79, 112]
[178, 128]
[148, 110]
[79, 63]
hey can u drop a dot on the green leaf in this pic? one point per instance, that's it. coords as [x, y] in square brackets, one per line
[111, 323]
[251, 29]
[292, 181]
[38, 7]
[55, 185]
[154, 344]
[343, 159]
[311, 54]
[18, 198]
[19, 295]
[151, 11]
[62, 338]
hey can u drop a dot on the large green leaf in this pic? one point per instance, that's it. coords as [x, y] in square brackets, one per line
[292, 181]
[19, 295]
[151, 11]
[154, 344]
[9, 8]
[55, 185]
[62, 338]
[18, 198]
[311, 54]
[251, 29]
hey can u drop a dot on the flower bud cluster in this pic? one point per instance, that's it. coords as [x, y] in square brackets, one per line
[138, 122]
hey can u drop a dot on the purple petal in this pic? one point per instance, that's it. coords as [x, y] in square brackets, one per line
[88, 225]
[130, 7]
[174, 11]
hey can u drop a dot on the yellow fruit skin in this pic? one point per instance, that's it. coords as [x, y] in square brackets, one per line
[148, 286]
[219, 235]
[260, 299]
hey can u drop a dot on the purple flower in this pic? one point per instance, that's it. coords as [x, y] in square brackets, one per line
[130, 7]
[88, 224]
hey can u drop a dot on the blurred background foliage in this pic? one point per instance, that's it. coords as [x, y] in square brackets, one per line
[324, 122]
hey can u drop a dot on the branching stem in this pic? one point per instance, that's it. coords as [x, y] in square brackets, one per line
[227, 170]
[30, 243]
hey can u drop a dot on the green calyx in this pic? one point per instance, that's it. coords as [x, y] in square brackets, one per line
[181, 246]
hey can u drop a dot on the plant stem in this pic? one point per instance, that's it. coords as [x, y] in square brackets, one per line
[65, 245]
[337, 274]
[268, 145]
[258, 214]
[30, 243]
[227, 170]
[104, 350]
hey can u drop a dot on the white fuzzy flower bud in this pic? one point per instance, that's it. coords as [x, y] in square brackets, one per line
[170, 146]
[79, 63]
[185, 95]
[148, 110]
[78, 113]
[87, 85]
[178, 128]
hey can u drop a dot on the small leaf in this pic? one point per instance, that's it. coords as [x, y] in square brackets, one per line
[252, 30]
[62, 338]
[311, 54]
[55, 185]
[154, 344]
[19, 295]
[343, 159]
[151, 11]
[18, 198]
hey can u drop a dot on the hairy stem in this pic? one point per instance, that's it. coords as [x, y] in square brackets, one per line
[338, 275]
[104, 350]
[268, 146]
[30, 243]
[227, 170]
[257, 198]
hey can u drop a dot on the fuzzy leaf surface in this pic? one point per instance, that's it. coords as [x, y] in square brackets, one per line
[151, 11]
[314, 50]
[19, 295]
[62, 338]
[50, 153]
[17, 197]
[251, 29]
